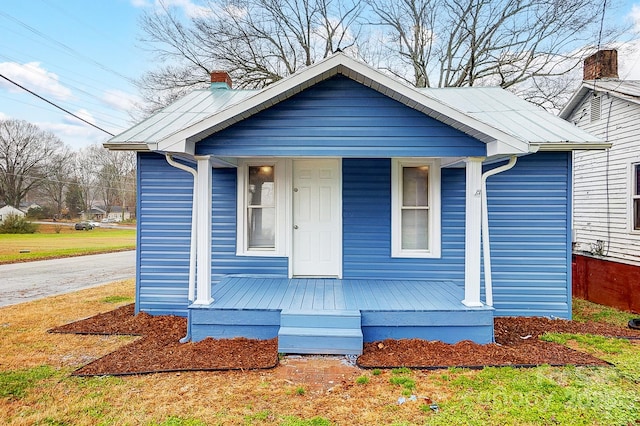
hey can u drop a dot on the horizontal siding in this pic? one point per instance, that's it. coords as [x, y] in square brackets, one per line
[529, 226]
[223, 249]
[366, 192]
[164, 234]
[601, 181]
[340, 117]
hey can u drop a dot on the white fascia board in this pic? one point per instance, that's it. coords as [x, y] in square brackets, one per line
[360, 72]
[500, 147]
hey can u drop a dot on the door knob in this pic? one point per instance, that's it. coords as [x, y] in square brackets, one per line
[295, 226]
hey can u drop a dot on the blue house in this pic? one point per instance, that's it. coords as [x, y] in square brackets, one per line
[338, 206]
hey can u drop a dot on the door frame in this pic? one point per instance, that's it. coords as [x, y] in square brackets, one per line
[290, 219]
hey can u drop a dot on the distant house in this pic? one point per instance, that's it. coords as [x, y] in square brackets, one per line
[7, 211]
[94, 213]
[607, 186]
[338, 206]
[116, 214]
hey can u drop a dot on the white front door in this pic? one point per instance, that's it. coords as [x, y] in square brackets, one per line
[317, 218]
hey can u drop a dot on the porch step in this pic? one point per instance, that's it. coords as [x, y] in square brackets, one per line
[320, 332]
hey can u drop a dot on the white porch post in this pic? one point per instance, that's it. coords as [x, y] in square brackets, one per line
[203, 256]
[472, 232]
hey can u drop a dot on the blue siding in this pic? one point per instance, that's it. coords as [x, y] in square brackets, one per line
[366, 190]
[530, 222]
[164, 230]
[223, 249]
[340, 117]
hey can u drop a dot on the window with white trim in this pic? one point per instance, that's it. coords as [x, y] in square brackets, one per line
[635, 197]
[415, 209]
[260, 208]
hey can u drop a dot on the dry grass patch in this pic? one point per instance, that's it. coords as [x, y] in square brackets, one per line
[23, 329]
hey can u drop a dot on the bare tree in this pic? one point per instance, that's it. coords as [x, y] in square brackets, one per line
[257, 41]
[443, 43]
[26, 153]
[56, 180]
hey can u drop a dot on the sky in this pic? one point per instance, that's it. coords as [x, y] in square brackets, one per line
[84, 55]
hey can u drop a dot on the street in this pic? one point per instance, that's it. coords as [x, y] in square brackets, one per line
[22, 282]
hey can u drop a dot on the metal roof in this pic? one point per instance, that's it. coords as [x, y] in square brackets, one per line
[511, 114]
[624, 89]
[508, 124]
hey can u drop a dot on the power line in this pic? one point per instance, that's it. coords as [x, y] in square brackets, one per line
[56, 105]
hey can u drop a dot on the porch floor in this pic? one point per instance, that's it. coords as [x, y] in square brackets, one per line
[334, 294]
[253, 307]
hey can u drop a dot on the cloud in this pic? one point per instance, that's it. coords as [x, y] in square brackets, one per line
[120, 100]
[634, 15]
[32, 76]
[74, 132]
[4, 116]
[188, 7]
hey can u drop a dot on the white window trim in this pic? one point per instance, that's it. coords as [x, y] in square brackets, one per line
[632, 186]
[280, 248]
[434, 224]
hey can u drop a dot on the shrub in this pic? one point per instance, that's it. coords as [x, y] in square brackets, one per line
[14, 224]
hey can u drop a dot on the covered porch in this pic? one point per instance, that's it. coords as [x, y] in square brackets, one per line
[337, 316]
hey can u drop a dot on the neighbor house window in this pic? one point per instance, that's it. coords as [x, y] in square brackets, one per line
[635, 197]
[415, 213]
[260, 208]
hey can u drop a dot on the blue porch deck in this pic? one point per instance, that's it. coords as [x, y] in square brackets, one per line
[252, 307]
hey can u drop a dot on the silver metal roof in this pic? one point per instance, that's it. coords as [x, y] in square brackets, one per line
[511, 114]
[491, 115]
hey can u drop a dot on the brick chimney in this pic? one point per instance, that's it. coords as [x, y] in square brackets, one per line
[602, 64]
[218, 77]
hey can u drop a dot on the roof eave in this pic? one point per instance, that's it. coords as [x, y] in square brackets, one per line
[127, 146]
[571, 146]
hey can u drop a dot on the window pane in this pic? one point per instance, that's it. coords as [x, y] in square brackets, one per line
[262, 227]
[637, 178]
[415, 186]
[261, 212]
[261, 186]
[636, 214]
[414, 229]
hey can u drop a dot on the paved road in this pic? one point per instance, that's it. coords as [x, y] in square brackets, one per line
[22, 282]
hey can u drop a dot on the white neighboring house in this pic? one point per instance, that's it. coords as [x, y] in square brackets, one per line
[115, 213]
[606, 194]
[7, 211]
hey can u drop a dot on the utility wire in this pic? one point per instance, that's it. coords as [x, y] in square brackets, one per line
[55, 105]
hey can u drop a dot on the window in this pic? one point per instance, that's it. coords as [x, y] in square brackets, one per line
[415, 212]
[260, 208]
[635, 197]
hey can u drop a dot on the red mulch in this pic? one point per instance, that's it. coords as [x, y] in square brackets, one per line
[159, 350]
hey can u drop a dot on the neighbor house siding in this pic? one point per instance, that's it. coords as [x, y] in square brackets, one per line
[529, 219]
[341, 118]
[366, 192]
[601, 181]
[164, 234]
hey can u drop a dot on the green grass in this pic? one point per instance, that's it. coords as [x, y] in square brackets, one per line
[588, 311]
[116, 299]
[362, 380]
[15, 384]
[68, 243]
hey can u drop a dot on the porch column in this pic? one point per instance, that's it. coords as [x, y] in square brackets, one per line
[203, 225]
[472, 227]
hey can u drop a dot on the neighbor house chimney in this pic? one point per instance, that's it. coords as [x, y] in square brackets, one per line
[218, 77]
[602, 64]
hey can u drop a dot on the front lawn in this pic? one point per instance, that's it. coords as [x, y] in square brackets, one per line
[36, 386]
[57, 240]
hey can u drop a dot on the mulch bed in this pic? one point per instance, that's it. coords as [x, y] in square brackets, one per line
[159, 349]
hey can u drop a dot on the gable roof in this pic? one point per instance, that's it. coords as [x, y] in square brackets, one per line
[628, 90]
[506, 123]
